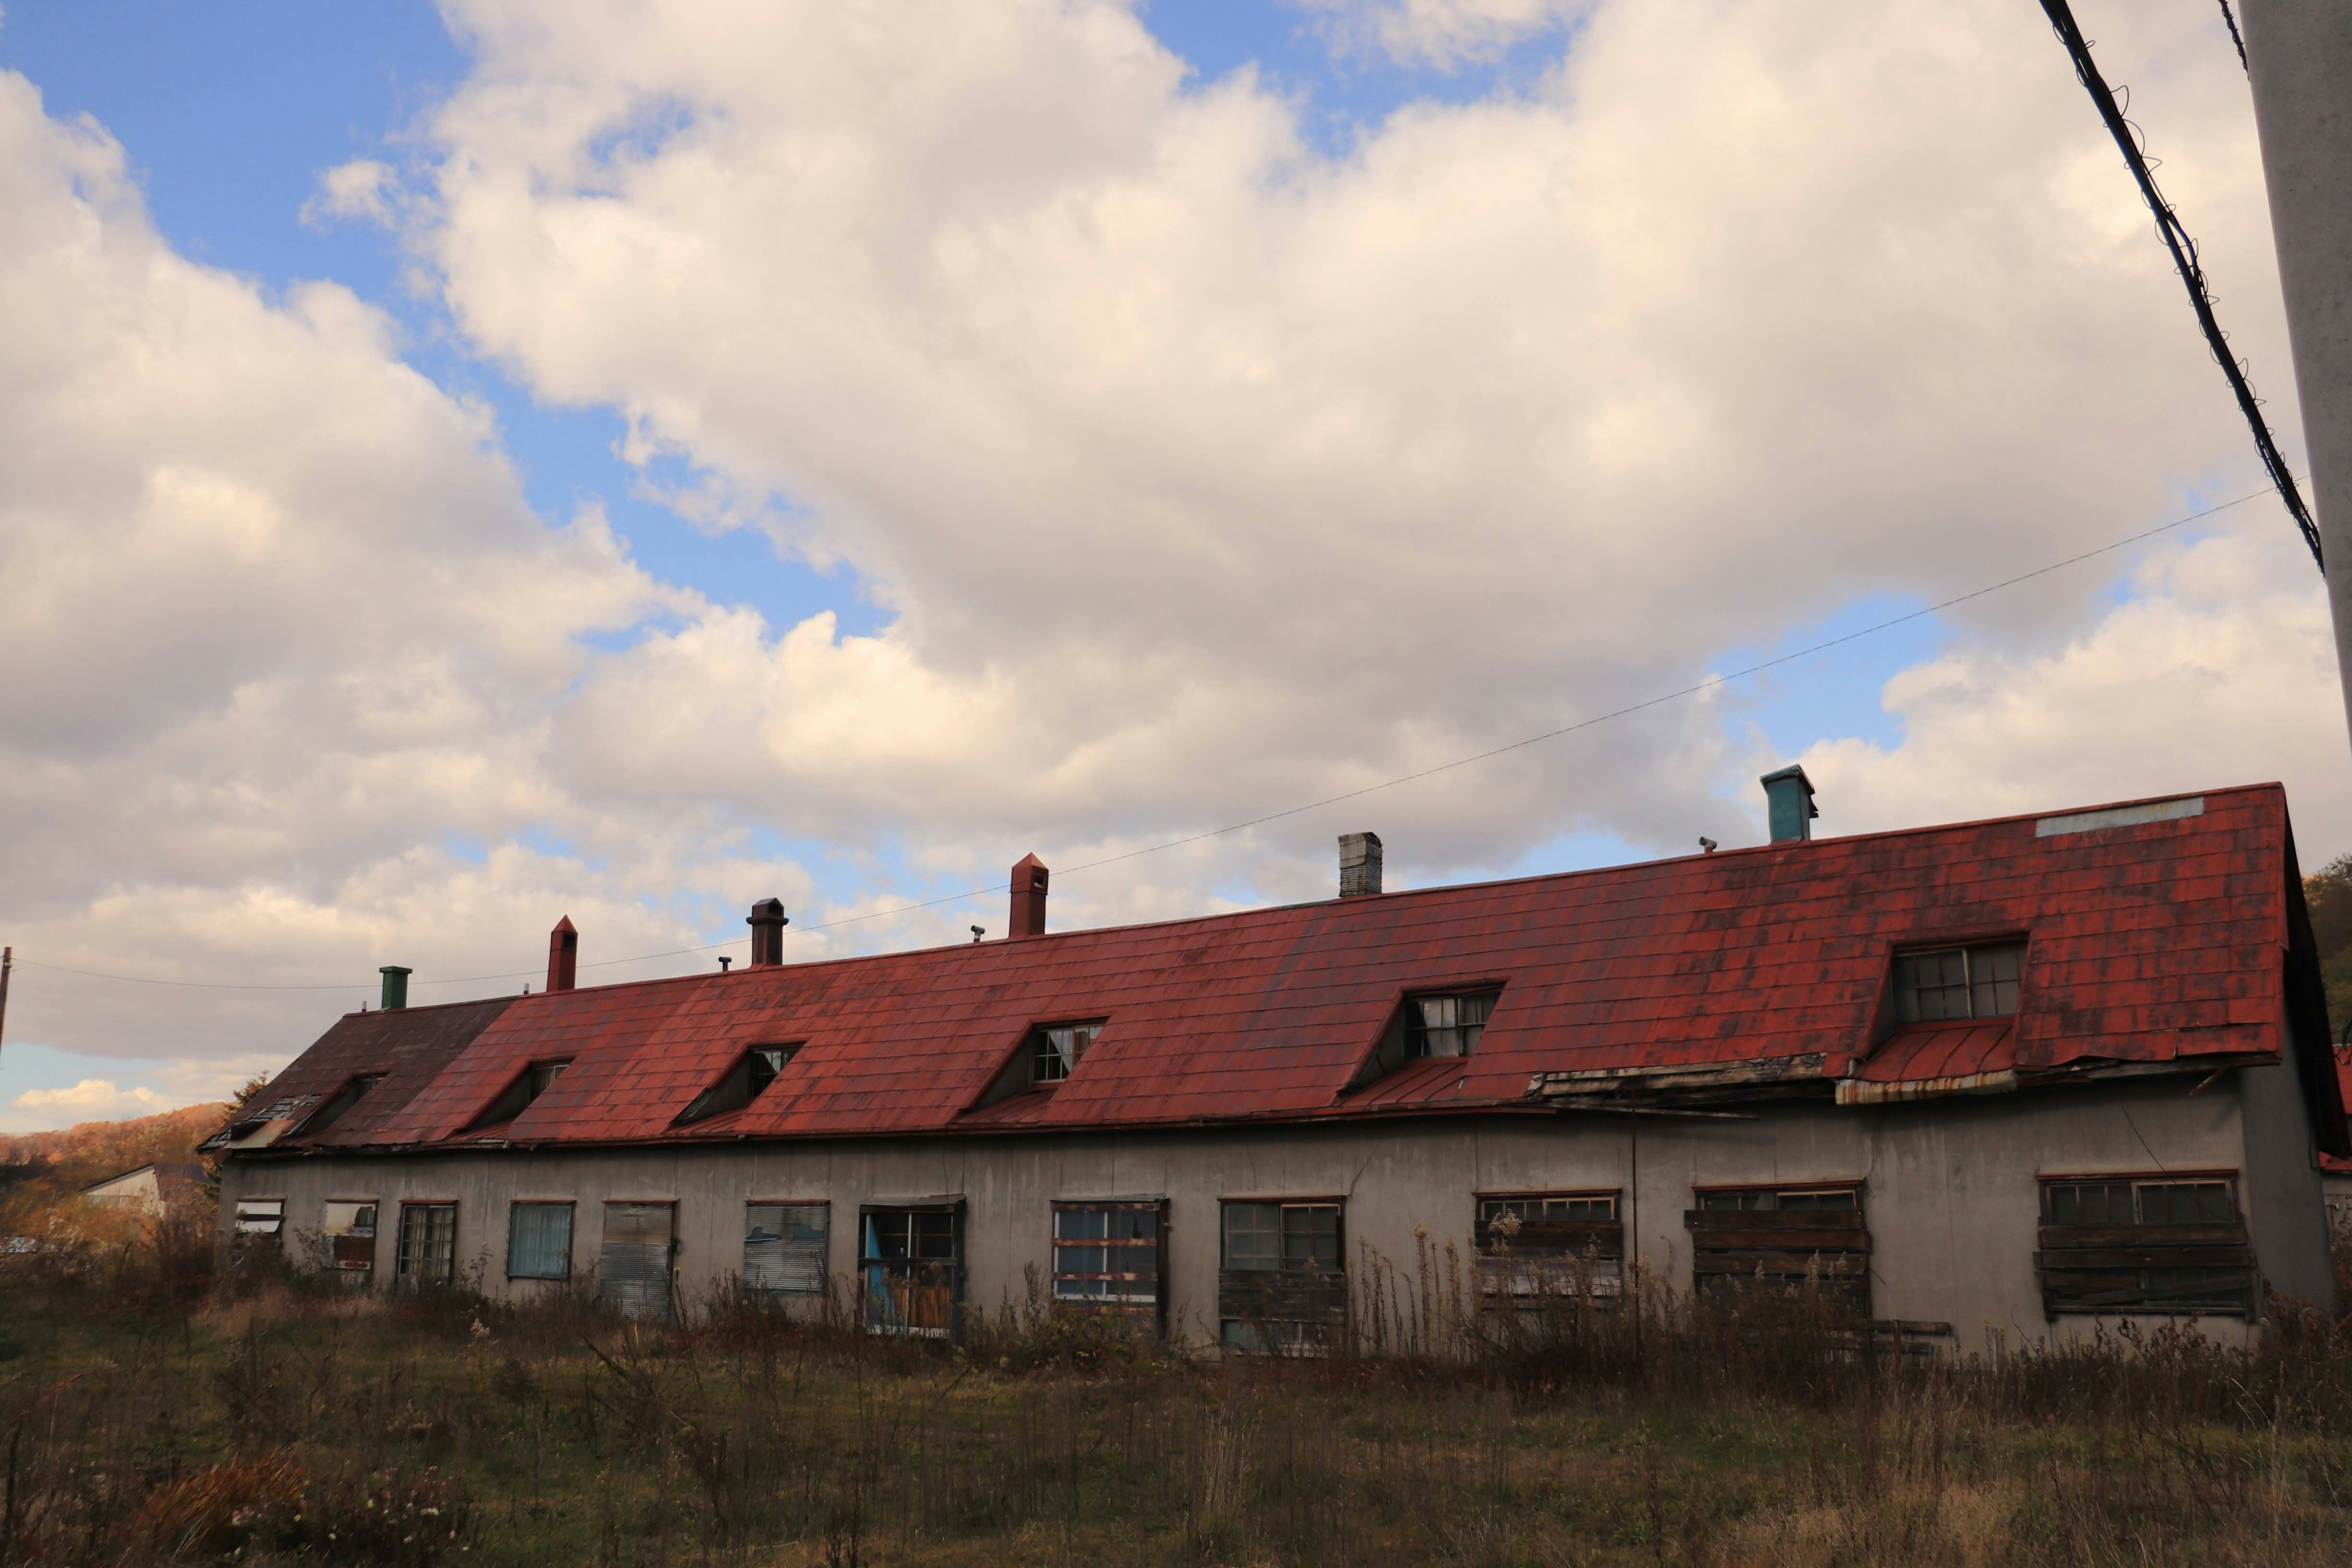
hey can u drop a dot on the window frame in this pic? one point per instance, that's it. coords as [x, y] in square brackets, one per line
[2079, 1263]
[881, 1310]
[1291, 1285]
[570, 1233]
[423, 1209]
[823, 1243]
[1129, 1303]
[1553, 1265]
[1828, 1247]
[1038, 1047]
[1418, 1030]
[330, 1257]
[638, 1298]
[1906, 998]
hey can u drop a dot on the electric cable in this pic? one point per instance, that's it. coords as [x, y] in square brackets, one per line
[2184, 258]
[1709, 684]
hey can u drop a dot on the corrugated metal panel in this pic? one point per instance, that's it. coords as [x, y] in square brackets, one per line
[634, 1268]
[784, 1248]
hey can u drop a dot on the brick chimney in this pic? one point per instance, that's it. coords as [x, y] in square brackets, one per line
[1028, 899]
[1360, 865]
[767, 920]
[1789, 802]
[563, 956]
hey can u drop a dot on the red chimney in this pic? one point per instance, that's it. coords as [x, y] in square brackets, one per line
[1028, 899]
[563, 956]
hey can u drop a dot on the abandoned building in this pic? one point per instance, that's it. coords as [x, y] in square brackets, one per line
[2013, 1077]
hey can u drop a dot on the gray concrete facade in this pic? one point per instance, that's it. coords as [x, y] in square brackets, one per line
[1950, 1187]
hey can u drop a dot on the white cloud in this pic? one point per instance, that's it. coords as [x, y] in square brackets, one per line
[1443, 34]
[365, 190]
[93, 1099]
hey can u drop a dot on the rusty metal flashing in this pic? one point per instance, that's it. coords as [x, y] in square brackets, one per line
[1861, 1091]
[1799, 1074]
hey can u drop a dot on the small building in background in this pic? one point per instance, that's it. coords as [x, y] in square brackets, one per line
[150, 1189]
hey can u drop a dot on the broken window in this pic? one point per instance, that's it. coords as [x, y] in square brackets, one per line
[428, 1244]
[534, 1080]
[1108, 1255]
[1536, 1245]
[911, 1262]
[260, 1216]
[1811, 1236]
[745, 1079]
[634, 1268]
[1448, 1026]
[1055, 1049]
[2127, 1244]
[1281, 1287]
[784, 1248]
[1948, 983]
[538, 1241]
[346, 1232]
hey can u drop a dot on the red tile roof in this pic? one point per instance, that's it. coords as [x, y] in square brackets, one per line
[2156, 941]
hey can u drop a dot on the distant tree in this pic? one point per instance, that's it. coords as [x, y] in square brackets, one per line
[2328, 894]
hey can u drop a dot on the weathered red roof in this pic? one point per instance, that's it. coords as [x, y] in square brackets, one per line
[2151, 943]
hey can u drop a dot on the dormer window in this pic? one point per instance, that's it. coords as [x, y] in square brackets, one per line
[744, 1082]
[1940, 984]
[528, 1085]
[1055, 1050]
[1448, 1024]
[351, 1094]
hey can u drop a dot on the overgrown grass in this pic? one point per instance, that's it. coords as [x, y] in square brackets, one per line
[273, 1415]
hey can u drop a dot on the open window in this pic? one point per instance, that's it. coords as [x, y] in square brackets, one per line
[784, 1248]
[347, 1234]
[910, 1265]
[1533, 1247]
[741, 1084]
[529, 1084]
[538, 1241]
[1108, 1254]
[342, 1101]
[2169, 1245]
[1282, 1282]
[1813, 1237]
[1951, 984]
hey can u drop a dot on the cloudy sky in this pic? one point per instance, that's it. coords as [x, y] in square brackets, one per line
[573, 456]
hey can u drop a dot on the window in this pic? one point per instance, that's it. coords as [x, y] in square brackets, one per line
[1282, 1288]
[911, 1263]
[538, 1241]
[743, 1082]
[1448, 1026]
[260, 1216]
[1107, 1254]
[1809, 1237]
[1549, 1243]
[348, 1230]
[634, 1268]
[784, 1248]
[2127, 1244]
[428, 1244]
[1948, 983]
[530, 1083]
[1055, 1049]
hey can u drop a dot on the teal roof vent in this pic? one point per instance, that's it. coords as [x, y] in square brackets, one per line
[396, 986]
[1789, 800]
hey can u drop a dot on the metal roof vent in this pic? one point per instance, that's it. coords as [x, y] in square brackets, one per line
[1360, 865]
[1789, 800]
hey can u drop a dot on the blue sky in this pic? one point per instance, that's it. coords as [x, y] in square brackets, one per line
[230, 115]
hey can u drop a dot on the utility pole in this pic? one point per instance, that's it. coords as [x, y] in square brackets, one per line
[8, 963]
[2299, 65]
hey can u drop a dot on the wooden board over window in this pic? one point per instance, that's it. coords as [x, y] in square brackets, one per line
[1789, 1236]
[1536, 1244]
[1110, 1255]
[347, 1227]
[1282, 1287]
[2169, 1245]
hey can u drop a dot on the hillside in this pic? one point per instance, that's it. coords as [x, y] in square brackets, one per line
[38, 1168]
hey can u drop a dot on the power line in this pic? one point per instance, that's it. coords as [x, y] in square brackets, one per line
[2232, 21]
[1709, 684]
[2184, 258]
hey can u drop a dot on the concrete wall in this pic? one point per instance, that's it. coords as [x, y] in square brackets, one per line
[1950, 1188]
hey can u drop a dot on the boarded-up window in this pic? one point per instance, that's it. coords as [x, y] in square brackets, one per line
[634, 1268]
[347, 1231]
[1813, 1237]
[784, 1248]
[428, 1244]
[1536, 1245]
[538, 1241]
[1281, 1287]
[2130, 1244]
[1108, 1254]
[911, 1261]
